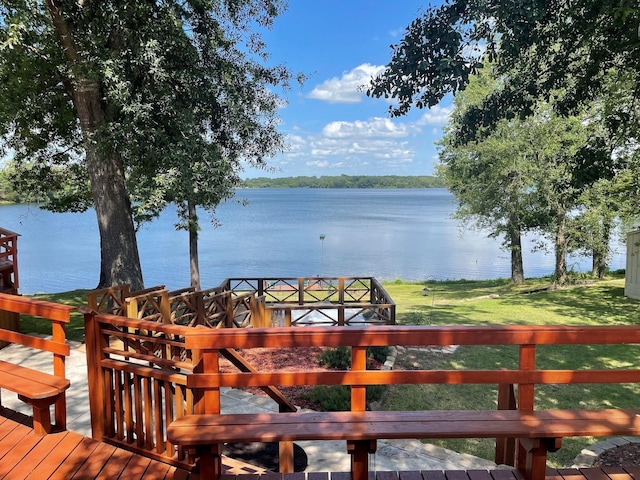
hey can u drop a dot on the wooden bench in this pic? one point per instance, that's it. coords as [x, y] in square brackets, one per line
[38, 389]
[539, 432]
[523, 435]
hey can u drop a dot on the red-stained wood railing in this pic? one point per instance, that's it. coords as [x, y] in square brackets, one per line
[256, 302]
[136, 375]
[148, 374]
[9, 261]
[59, 315]
[137, 385]
[207, 378]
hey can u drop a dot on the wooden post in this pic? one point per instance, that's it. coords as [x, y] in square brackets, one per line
[359, 451]
[300, 291]
[97, 399]
[358, 392]
[285, 456]
[526, 392]
[228, 308]
[60, 408]
[506, 447]
[536, 449]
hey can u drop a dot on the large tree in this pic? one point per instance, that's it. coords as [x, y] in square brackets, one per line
[102, 99]
[491, 178]
[556, 46]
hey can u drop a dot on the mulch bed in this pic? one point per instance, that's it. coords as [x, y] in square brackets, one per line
[623, 456]
[293, 360]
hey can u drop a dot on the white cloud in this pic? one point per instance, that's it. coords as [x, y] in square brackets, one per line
[436, 115]
[374, 128]
[348, 88]
[375, 146]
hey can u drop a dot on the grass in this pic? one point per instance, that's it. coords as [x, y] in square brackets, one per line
[491, 302]
[74, 329]
[499, 303]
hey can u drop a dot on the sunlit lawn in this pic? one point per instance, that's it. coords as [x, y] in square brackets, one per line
[498, 303]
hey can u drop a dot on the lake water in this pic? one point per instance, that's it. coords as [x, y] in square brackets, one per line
[387, 234]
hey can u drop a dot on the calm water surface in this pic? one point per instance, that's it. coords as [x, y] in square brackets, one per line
[387, 234]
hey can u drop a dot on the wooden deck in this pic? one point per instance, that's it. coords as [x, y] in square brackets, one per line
[68, 455]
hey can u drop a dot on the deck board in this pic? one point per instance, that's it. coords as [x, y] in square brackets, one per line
[68, 455]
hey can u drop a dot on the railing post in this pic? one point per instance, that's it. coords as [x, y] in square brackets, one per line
[506, 447]
[300, 291]
[526, 393]
[199, 302]
[97, 400]
[229, 312]
[341, 291]
[165, 307]
[60, 408]
[358, 392]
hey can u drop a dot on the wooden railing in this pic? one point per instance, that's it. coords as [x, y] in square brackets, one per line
[256, 302]
[142, 371]
[211, 308]
[137, 385]
[302, 301]
[9, 261]
[59, 315]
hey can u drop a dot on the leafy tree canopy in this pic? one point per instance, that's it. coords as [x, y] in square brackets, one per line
[105, 102]
[346, 181]
[567, 47]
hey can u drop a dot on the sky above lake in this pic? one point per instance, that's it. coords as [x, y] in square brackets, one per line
[331, 126]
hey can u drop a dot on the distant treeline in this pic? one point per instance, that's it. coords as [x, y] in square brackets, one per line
[346, 181]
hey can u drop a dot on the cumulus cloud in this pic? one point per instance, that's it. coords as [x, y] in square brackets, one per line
[436, 115]
[348, 88]
[375, 146]
[374, 128]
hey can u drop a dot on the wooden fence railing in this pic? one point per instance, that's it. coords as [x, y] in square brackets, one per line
[9, 281]
[302, 301]
[538, 433]
[137, 384]
[256, 302]
[145, 390]
[213, 308]
[59, 316]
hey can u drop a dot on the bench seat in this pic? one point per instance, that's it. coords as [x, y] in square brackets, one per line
[38, 389]
[539, 431]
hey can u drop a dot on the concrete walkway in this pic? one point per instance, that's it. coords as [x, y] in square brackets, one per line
[398, 455]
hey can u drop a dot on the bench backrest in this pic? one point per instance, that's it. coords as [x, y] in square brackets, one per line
[522, 371]
[59, 315]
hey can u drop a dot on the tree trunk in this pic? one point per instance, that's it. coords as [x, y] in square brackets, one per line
[601, 251]
[194, 267]
[119, 258]
[561, 249]
[515, 245]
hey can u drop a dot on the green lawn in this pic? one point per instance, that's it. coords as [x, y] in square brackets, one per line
[492, 302]
[498, 303]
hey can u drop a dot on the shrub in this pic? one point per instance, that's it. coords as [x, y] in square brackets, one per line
[340, 358]
[379, 354]
[330, 398]
[337, 398]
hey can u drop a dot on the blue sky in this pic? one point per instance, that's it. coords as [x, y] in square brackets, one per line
[331, 127]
